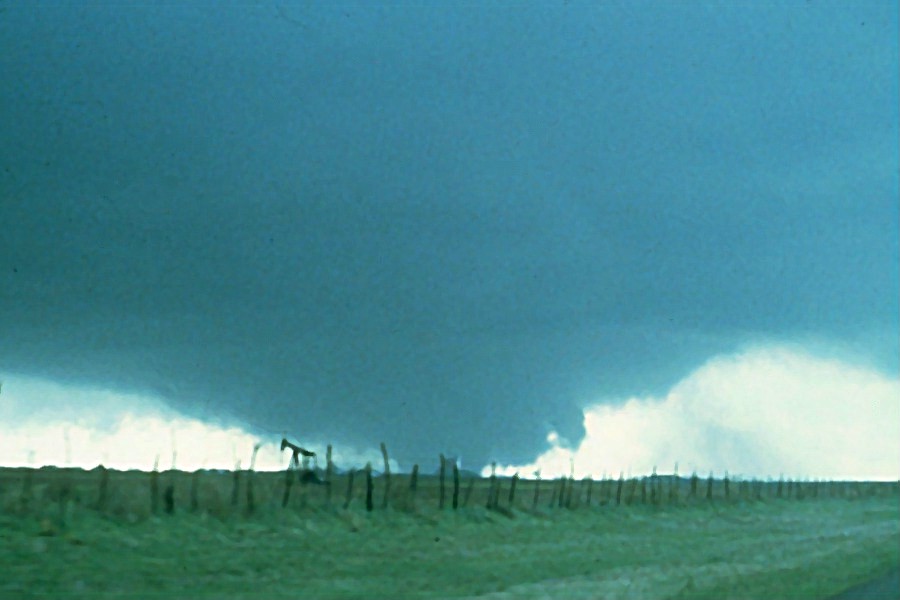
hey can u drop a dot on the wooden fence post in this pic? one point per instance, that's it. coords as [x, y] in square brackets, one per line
[154, 487]
[443, 473]
[27, 495]
[413, 484]
[632, 490]
[387, 476]
[590, 484]
[104, 488]
[537, 489]
[369, 487]
[709, 487]
[673, 486]
[512, 489]
[570, 483]
[169, 499]
[492, 487]
[619, 488]
[329, 475]
[455, 499]
[288, 482]
[349, 495]
[251, 501]
[235, 484]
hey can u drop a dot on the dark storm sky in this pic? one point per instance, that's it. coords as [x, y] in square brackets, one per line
[447, 228]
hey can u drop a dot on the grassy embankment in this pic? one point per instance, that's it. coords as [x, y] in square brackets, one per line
[57, 541]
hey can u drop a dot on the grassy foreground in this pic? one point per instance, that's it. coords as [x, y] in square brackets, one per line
[767, 548]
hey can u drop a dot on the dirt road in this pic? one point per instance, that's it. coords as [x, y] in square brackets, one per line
[886, 587]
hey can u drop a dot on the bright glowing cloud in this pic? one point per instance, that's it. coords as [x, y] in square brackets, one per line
[758, 413]
[44, 423]
[761, 412]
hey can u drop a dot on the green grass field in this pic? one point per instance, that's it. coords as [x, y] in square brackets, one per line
[57, 542]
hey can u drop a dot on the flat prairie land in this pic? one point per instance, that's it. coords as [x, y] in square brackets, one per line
[67, 533]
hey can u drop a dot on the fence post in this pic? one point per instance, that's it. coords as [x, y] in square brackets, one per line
[369, 487]
[537, 489]
[632, 490]
[235, 483]
[455, 499]
[154, 487]
[709, 487]
[619, 488]
[387, 476]
[674, 485]
[349, 495]
[288, 483]
[492, 487]
[104, 487]
[169, 499]
[443, 473]
[413, 484]
[251, 503]
[559, 491]
[512, 489]
[329, 475]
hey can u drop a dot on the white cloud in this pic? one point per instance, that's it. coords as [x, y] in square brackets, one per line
[762, 412]
[45, 423]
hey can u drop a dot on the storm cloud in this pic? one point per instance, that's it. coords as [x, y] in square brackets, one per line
[449, 228]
